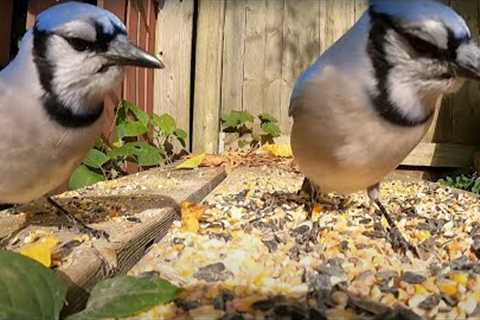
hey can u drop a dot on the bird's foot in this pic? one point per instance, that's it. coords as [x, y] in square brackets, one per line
[76, 224]
[399, 242]
[397, 239]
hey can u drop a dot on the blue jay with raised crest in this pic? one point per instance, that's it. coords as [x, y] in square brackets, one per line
[52, 93]
[367, 101]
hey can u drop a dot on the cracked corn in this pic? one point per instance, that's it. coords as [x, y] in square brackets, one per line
[255, 256]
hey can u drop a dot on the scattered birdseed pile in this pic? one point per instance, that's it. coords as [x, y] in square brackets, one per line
[248, 253]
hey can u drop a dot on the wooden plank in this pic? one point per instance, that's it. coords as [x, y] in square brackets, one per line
[340, 18]
[254, 56]
[273, 57]
[441, 155]
[117, 7]
[141, 73]
[130, 83]
[174, 38]
[233, 56]
[151, 32]
[301, 42]
[35, 7]
[6, 13]
[150, 200]
[208, 75]
[233, 65]
[360, 7]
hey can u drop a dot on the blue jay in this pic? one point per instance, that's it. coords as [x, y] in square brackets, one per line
[52, 93]
[367, 101]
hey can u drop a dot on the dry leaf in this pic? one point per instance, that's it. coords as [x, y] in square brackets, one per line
[213, 160]
[278, 150]
[191, 213]
[193, 162]
[41, 250]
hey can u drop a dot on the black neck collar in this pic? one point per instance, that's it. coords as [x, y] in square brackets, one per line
[56, 110]
[381, 101]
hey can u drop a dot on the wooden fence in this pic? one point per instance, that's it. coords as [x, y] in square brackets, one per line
[224, 55]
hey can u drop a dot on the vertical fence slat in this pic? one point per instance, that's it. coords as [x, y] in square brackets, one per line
[360, 7]
[174, 37]
[254, 63]
[340, 17]
[117, 7]
[151, 31]
[6, 11]
[35, 7]
[273, 58]
[208, 74]
[130, 83]
[141, 73]
[233, 56]
[301, 47]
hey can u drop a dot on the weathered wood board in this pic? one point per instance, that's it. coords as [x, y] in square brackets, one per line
[174, 45]
[136, 211]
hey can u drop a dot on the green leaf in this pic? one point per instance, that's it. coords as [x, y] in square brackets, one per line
[236, 119]
[271, 128]
[131, 129]
[266, 117]
[166, 123]
[126, 296]
[476, 186]
[95, 159]
[193, 162]
[28, 290]
[83, 176]
[145, 154]
[181, 136]
[141, 115]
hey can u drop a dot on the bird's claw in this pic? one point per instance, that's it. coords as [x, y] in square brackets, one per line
[94, 233]
[399, 242]
[76, 223]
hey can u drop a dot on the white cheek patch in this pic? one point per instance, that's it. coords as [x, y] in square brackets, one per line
[404, 96]
[76, 79]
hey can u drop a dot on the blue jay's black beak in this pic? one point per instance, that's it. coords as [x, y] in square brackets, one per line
[122, 52]
[468, 61]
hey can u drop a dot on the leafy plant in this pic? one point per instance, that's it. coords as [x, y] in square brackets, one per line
[31, 291]
[462, 182]
[28, 290]
[140, 139]
[251, 133]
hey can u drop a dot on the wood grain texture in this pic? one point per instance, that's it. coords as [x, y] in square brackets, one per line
[119, 8]
[233, 56]
[130, 83]
[174, 32]
[360, 7]
[443, 155]
[154, 205]
[208, 74]
[254, 54]
[301, 27]
[142, 34]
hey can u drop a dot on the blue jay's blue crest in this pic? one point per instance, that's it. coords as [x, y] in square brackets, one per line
[61, 14]
[413, 12]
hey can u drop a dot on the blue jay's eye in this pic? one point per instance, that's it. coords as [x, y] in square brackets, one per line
[79, 44]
